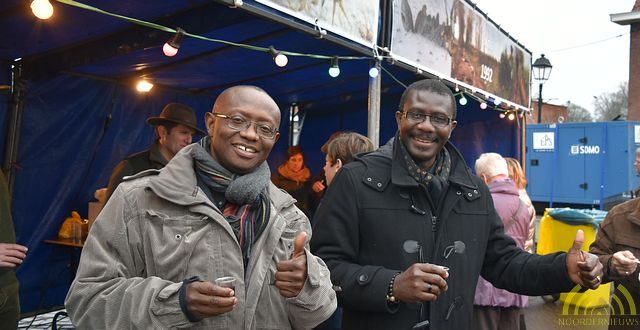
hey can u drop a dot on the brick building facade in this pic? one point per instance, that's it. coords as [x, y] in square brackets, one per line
[632, 19]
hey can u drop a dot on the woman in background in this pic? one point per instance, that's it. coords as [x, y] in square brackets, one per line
[293, 176]
[517, 175]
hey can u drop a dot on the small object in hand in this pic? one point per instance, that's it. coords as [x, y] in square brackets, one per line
[429, 287]
[226, 282]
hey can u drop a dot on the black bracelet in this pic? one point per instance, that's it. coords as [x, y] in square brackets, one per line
[390, 297]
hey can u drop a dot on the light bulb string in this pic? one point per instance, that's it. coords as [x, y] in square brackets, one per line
[392, 76]
[376, 54]
[196, 36]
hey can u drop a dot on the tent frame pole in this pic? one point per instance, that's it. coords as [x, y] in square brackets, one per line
[15, 119]
[373, 119]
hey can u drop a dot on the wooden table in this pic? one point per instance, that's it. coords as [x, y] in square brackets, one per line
[65, 242]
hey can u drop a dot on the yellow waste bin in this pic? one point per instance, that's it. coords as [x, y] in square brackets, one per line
[555, 236]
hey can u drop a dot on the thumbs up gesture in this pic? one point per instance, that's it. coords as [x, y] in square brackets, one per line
[291, 274]
[583, 268]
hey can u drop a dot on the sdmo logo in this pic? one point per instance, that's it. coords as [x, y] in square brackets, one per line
[584, 150]
[621, 311]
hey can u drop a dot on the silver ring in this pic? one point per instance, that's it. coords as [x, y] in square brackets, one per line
[598, 278]
[429, 287]
[626, 273]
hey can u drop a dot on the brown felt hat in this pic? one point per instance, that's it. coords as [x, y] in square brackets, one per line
[176, 113]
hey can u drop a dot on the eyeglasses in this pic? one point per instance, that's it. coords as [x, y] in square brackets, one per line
[437, 120]
[240, 123]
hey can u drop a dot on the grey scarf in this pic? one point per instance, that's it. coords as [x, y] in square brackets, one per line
[246, 206]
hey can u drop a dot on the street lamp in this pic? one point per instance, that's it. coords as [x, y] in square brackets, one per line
[541, 72]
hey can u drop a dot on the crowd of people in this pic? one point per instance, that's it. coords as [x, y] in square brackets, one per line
[404, 236]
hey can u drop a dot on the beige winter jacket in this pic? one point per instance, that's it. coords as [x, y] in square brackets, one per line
[160, 229]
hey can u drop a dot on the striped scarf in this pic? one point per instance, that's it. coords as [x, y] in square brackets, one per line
[435, 179]
[246, 206]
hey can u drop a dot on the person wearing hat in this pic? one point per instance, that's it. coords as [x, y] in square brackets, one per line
[174, 129]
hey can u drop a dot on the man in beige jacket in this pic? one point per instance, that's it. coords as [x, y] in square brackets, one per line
[165, 235]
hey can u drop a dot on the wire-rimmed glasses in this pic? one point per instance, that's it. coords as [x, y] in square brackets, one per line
[239, 123]
[437, 120]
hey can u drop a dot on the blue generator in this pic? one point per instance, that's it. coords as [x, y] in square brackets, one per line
[582, 163]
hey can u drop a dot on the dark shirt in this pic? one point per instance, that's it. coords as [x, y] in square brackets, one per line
[148, 159]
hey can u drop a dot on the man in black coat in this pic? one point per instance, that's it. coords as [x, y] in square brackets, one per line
[174, 129]
[406, 230]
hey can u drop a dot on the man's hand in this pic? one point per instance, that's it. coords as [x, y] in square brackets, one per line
[11, 255]
[584, 268]
[420, 282]
[205, 299]
[292, 273]
[624, 263]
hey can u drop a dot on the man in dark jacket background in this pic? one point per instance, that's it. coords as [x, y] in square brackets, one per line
[406, 230]
[174, 127]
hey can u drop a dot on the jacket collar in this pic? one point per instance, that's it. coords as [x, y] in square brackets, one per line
[503, 186]
[177, 183]
[460, 175]
[634, 216]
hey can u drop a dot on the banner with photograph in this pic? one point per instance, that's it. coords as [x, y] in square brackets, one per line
[356, 20]
[451, 39]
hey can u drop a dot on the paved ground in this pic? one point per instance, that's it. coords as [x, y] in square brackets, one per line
[541, 315]
[547, 315]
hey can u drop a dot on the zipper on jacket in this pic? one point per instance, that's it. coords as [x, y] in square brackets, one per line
[433, 223]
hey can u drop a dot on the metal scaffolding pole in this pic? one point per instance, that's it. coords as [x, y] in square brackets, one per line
[15, 119]
[373, 125]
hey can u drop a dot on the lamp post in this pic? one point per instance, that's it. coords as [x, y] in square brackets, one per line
[541, 72]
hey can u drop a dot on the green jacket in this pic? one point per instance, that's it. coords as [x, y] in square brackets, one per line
[7, 232]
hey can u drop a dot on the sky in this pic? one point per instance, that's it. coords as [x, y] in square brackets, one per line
[588, 55]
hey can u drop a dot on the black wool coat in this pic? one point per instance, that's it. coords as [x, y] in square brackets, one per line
[373, 206]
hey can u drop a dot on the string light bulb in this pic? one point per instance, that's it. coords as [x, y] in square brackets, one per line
[144, 86]
[483, 105]
[374, 72]
[511, 116]
[334, 69]
[502, 115]
[171, 47]
[462, 100]
[280, 59]
[42, 9]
